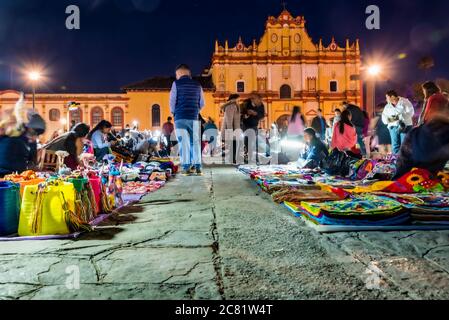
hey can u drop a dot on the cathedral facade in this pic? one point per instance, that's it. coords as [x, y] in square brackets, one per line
[288, 69]
[285, 66]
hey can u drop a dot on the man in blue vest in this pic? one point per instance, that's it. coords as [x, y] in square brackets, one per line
[186, 102]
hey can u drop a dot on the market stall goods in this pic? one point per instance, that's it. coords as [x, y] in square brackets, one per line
[47, 209]
[362, 210]
[27, 178]
[9, 207]
[85, 204]
[63, 204]
[298, 195]
[425, 207]
[357, 201]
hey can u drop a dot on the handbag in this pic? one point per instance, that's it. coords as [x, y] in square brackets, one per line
[95, 183]
[49, 209]
[9, 208]
[338, 163]
[85, 204]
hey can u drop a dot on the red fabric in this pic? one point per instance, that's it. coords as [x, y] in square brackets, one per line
[168, 128]
[435, 104]
[345, 141]
[71, 162]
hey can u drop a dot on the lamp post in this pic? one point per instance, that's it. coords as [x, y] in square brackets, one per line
[373, 72]
[34, 77]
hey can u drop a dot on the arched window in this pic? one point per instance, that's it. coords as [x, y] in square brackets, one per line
[76, 115]
[96, 116]
[117, 117]
[156, 115]
[54, 115]
[333, 86]
[240, 86]
[286, 92]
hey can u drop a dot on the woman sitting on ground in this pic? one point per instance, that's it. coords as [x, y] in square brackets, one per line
[344, 137]
[71, 142]
[315, 152]
[98, 136]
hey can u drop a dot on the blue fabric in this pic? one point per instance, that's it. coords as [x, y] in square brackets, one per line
[188, 133]
[188, 99]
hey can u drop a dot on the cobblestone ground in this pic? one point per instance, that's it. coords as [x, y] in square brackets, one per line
[219, 237]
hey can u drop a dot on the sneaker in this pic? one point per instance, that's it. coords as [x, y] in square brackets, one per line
[199, 172]
[192, 170]
[186, 172]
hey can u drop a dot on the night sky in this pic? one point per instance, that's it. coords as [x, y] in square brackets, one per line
[124, 41]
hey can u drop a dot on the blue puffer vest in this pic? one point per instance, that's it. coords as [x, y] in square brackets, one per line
[188, 99]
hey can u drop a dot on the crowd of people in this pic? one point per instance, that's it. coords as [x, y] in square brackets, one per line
[422, 142]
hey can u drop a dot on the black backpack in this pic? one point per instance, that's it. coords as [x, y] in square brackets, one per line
[338, 163]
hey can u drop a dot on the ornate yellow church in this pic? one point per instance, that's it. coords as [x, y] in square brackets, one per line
[286, 67]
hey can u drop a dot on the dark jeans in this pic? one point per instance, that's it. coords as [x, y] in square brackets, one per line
[360, 140]
[234, 152]
[168, 137]
[249, 148]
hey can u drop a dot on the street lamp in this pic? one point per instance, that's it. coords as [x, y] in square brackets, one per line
[374, 71]
[34, 77]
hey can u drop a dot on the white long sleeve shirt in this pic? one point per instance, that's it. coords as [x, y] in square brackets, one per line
[403, 111]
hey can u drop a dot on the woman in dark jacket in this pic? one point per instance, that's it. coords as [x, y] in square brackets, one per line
[426, 147]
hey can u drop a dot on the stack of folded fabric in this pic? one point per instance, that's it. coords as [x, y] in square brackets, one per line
[365, 210]
[298, 195]
[271, 184]
[426, 208]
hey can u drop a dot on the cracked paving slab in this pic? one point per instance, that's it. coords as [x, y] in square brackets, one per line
[220, 237]
[267, 253]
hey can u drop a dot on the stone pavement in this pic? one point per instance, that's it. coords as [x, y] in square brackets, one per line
[219, 237]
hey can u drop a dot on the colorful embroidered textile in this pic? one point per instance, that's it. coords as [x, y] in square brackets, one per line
[443, 177]
[326, 219]
[418, 180]
[362, 210]
[382, 171]
[142, 188]
[361, 169]
[298, 195]
[425, 207]
[366, 205]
